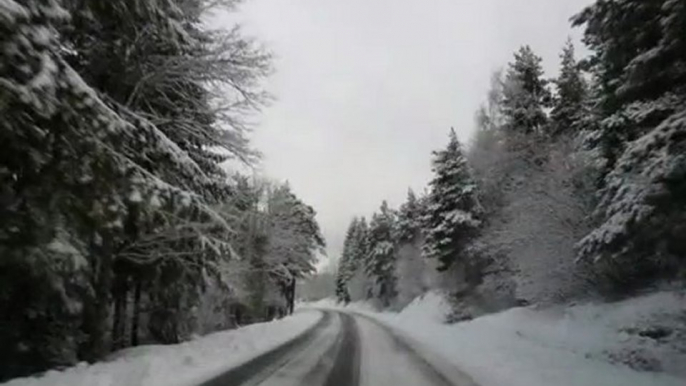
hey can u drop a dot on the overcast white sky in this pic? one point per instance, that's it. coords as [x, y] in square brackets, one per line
[366, 89]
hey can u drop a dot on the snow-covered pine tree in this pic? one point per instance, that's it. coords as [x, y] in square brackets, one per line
[409, 225]
[642, 87]
[639, 76]
[294, 240]
[360, 247]
[570, 100]
[195, 86]
[415, 274]
[78, 178]
[247, 275]
[453, 213]
[380, 260]
[360, 286]
[126, 173]
[346, 263]
[341, 292]
[525, 94]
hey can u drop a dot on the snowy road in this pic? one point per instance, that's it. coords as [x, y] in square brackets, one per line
[343, 350]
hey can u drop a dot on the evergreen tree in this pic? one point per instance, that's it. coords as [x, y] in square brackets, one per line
[352, 263]
[409, 225]
[360, 254]
[525, 93]
[247, 278]
[639, 57]
[380, 260]
[341, 291]
[109, 175]
[360, 248]
[638, 63]
[294, 240]
[453, 212]
[346, 263]
[361, 245]
[569, 103]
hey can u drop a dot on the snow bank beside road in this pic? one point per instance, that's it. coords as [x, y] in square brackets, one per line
[583, 345]
[184, 364]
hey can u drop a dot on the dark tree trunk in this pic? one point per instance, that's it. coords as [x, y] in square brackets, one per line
[96, 312]
[291, 296]
[124, 305]
[136, 313]
[117, 322]
[238, 315]
[125, 320]
[121, 294]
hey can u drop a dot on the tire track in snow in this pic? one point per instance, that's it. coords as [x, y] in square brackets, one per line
[346, 368]
[264, 365]
[410, 365]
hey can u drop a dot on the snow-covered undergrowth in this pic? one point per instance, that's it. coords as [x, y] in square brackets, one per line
[637, 342]
[184, 364]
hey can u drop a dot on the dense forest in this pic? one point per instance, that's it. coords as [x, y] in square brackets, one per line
[571, 188]
[121, 222]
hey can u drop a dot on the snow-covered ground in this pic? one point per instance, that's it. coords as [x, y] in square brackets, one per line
[581, 345]
[637, 342]
[184, 364]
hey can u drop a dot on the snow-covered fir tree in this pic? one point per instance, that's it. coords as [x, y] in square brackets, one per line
[346, 263]
[95, 165]
[639, 77]
[294, 240]
[525, 93]
[571, 96]
[409, 222]
[642, 132]
[415, 274]
[360, 285]
[110, 175]
[453, 213]
[380, 259]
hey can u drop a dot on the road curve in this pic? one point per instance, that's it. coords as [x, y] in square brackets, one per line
[344, 349]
